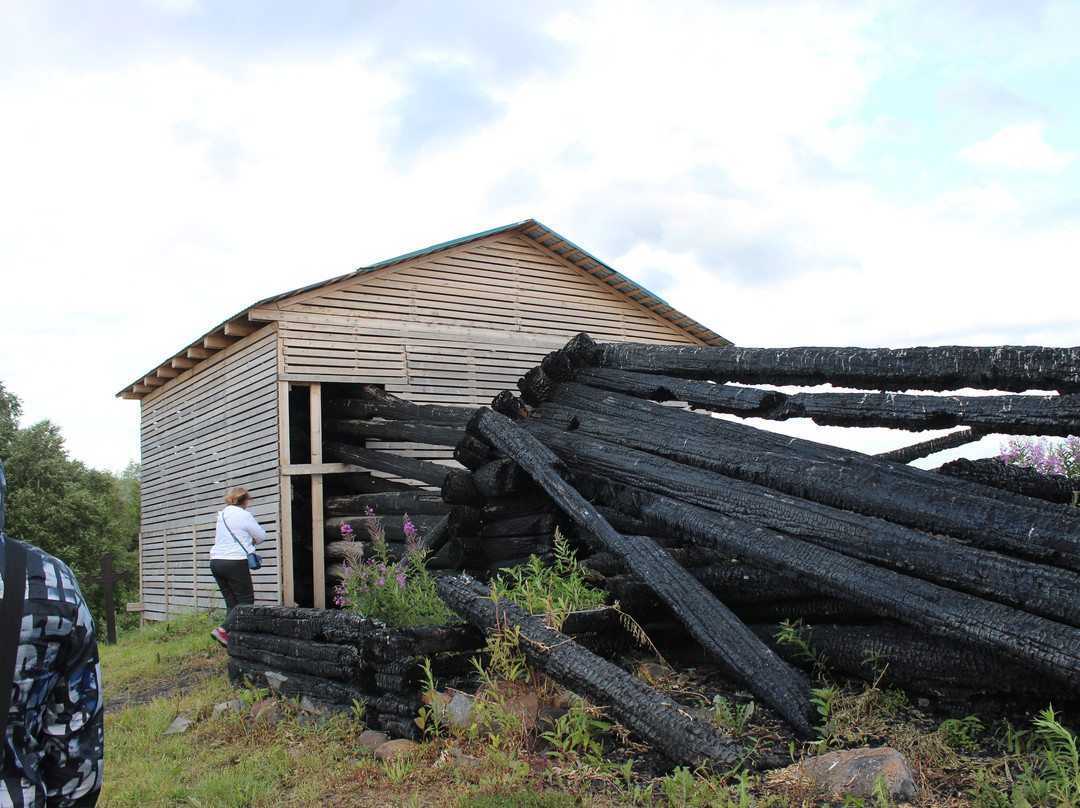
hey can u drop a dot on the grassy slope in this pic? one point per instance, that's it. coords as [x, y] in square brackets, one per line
[155, 674]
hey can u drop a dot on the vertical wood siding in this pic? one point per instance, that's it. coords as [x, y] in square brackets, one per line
[203, 434]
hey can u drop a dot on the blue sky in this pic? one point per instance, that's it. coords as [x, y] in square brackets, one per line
[789, 173]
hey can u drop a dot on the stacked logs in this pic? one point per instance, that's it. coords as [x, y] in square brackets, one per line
[339, 659]
[379, 432]
[724, 524]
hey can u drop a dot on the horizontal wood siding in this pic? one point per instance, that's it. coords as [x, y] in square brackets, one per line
[456, 327]
[208, 432]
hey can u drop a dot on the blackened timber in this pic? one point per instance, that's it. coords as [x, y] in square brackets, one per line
[655, 718]
[401, 431]
[825, 474]
[1050, 648]
[1050, 591]
[407, 467]
[1010, 415]
[1010, 368]
[928, 447]
[710, 622]
[387, 502]
[907, 657]
[1018, 479]
[500, 478]
[372, 402]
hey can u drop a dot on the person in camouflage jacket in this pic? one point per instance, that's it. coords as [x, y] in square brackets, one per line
[54, 743]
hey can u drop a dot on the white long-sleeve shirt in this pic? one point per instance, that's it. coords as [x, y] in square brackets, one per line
[248, 532]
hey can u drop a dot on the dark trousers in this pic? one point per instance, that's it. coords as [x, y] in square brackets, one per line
[234, 580]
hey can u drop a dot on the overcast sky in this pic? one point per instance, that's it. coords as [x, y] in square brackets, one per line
[879, 174]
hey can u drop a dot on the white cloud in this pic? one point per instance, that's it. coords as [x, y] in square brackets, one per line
[1021, 146]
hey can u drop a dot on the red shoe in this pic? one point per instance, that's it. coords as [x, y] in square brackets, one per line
[220, 635]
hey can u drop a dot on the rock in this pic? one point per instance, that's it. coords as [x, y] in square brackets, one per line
[453, 756]
[549, 717]
[393, 749]
[855, 773]
[310, 705]
[525, 707]
[267, 711]
[274, 680]
[372, 739]
[459, 710]
[230, 707]
[181, 723]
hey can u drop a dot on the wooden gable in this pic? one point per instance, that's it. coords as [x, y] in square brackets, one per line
[457, 325]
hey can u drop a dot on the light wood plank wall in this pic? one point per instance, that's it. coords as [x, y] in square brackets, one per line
[203, 434]
[457, 327]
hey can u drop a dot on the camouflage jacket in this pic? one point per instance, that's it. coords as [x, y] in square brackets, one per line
[54, 733]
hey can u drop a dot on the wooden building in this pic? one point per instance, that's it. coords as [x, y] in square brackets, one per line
[452, 324]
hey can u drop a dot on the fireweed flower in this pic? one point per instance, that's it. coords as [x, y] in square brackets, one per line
[413, 545]
[346, 531]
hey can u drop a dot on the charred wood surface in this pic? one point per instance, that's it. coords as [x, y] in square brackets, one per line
[711, 623]
[653, 717]
[416, 503]
[1050, 591]
[925, 448]
[1010, 415]
[909, 658]
[1018, 479]
[824, 474]
[1051, 648]
[407, 467]
[400, 431]
[1009, 368]
[373, 402]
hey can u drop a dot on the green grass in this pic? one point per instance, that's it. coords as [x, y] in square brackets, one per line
[154, 674]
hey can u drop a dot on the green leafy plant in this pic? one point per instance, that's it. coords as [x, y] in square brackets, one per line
[793, 633]
[1055, 775]
[731, 716]
[576, 735]
[400, 593]
[959, 733]
[555, 590]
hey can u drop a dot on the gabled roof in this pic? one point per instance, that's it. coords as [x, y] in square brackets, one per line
[241, 324]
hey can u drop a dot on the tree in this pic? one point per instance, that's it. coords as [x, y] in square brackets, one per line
[74, 512]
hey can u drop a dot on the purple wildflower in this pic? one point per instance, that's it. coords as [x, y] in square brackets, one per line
[413, 545]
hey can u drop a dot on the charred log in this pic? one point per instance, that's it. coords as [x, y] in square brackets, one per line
[1010, 368]
[1015, 415]
[373, 402]
[655, 718]
[407, 467]
[1049, 591]
[415, 502]
[1050, 648]
[458, 488]
[400, 431]
[1018, 479]
[928, 447]
[824, 474]
[714, 626]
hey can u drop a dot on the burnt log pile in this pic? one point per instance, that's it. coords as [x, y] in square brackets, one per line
[388, 436]
[713, 530]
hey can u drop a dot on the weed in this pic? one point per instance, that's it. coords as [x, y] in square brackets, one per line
[959, 733]
[554, 590]
[576, 735]
[793, 633]
[729, 716]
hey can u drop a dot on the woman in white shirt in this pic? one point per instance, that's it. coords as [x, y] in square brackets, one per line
[238, 533]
